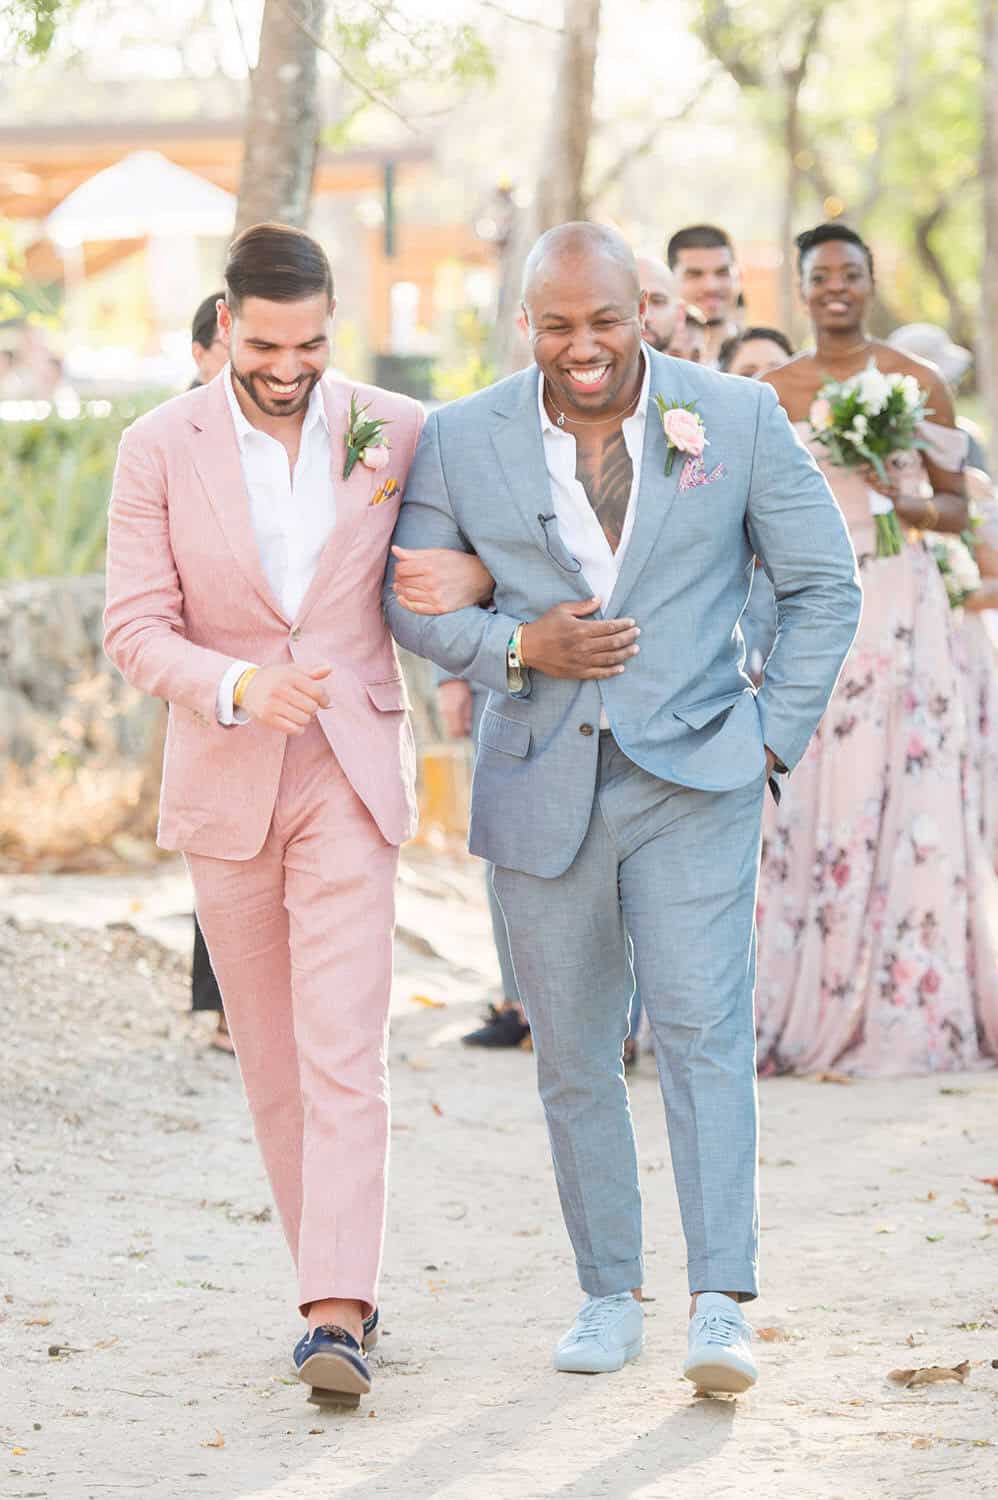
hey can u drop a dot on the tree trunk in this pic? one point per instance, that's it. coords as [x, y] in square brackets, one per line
[988, 341]
[560, 194]
[282, 123]
[561, 185]
[791, 188]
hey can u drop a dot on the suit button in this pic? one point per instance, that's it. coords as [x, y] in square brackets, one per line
[585, 729]
[296, 633]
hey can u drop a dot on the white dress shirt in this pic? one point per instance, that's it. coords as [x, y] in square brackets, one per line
[580, 530]
[292, 512]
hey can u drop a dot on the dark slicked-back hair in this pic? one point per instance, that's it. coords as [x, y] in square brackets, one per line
[823, 234]
[277, 263]
[204, 324]
[697, 237]
[730, 347]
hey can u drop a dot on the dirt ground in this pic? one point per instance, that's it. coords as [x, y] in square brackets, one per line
[147, 1311]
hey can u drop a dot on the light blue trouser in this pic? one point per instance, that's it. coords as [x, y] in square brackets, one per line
[479, 698]
[686, 865]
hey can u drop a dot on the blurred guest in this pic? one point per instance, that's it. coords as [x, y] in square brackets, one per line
[877, 953]
[702, 258]
[461, 705]
[754, 352]
[207, 349]
[664, 302]
[210, 355]
[975, 637]
[689, 336]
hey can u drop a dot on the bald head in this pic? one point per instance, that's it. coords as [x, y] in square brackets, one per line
[584, 247]
[662, 291]
[583, 305]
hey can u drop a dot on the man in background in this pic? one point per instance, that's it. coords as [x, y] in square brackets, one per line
[702, 259]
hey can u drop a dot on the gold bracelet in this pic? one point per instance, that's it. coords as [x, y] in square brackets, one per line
[517, 640]
[931, 518]
[242, 683]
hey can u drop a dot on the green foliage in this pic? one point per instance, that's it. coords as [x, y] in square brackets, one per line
[55, 479]
[471, 370]
[31, 23]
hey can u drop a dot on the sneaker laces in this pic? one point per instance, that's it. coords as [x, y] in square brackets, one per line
[721, 1328]
[595, 1318]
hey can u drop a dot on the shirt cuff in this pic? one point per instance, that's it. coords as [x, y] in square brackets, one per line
[225, 710]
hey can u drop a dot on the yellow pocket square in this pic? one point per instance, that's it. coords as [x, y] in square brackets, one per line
[385, 491]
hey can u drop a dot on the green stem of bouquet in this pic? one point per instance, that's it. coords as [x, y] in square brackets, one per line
[890, 540]
[670, 459]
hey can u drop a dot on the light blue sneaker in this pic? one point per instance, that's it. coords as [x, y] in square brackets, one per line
[720, 1356]
[608, 1332]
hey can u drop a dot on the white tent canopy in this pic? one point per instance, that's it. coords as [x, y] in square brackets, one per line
[144, 194]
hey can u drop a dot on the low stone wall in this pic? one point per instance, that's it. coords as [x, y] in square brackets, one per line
[80, 750]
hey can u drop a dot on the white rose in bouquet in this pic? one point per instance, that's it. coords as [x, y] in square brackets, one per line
[911, 391]
[874, 389]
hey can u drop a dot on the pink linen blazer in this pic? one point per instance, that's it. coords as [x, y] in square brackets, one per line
[187, 596]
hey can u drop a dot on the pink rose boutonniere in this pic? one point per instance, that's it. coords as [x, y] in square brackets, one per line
[683, 428]
[365, 440]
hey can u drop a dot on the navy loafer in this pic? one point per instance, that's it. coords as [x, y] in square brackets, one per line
[332, 1360]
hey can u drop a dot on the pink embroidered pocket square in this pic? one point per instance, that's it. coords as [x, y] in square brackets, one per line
[385, 491]
[694, 474]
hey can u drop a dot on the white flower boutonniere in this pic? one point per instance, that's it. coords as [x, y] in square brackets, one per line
[683, 428]
[366, 440]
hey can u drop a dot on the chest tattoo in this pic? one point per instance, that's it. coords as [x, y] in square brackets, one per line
[605, 471]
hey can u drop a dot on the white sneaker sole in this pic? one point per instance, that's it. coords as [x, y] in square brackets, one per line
[580, 1364]
[713, 1375]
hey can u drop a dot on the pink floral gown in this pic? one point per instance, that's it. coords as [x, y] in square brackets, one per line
[878, 906]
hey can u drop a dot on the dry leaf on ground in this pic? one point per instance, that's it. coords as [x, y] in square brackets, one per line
[217, 1441]
[776, 1335]
[930, 1375]
[830, 1077]
[428, 1001]
[991, 1182]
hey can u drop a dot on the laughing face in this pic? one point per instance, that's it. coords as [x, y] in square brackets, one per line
[584, 313]
[277, 350]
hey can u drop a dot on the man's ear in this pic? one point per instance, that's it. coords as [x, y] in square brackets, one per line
[223, 313]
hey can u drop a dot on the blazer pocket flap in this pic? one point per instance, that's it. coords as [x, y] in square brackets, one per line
[699, 715]
[499, 733]
[389, 697]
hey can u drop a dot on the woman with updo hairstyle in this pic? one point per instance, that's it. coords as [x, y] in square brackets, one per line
[876, 896]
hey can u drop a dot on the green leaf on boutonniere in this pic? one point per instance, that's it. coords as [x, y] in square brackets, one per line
[667, 406]
[361, 434]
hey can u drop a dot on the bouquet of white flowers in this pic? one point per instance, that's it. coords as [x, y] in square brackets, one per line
[955, 560]
[863, 420]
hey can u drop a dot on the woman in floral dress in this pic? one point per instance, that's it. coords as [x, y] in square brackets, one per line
[878, 908]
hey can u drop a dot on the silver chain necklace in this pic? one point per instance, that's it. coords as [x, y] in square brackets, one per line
[579, 422]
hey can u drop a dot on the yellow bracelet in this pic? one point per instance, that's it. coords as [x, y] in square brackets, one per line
[931, 520]
[242, 683]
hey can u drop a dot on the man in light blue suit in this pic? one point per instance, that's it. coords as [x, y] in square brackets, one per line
[619, 781]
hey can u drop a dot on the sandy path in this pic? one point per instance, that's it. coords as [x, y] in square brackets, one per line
[137, 1233]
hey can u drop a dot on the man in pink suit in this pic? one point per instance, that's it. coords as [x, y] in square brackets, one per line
[244, 586]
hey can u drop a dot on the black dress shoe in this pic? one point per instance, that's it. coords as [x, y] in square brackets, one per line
[503, 1028]
[332, 1361]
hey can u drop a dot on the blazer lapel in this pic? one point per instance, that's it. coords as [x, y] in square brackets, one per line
[352, 495]
[519, 447]
[656, 492]
[215, 451]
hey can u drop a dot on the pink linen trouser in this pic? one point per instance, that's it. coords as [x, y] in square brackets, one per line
[300, 938]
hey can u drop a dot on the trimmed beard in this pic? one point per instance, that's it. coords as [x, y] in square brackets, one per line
[286, 408]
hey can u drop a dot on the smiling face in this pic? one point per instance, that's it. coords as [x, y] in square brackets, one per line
[708, 277]
[278, 350]
[584, 312]
[836, 286]
[754, 358]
